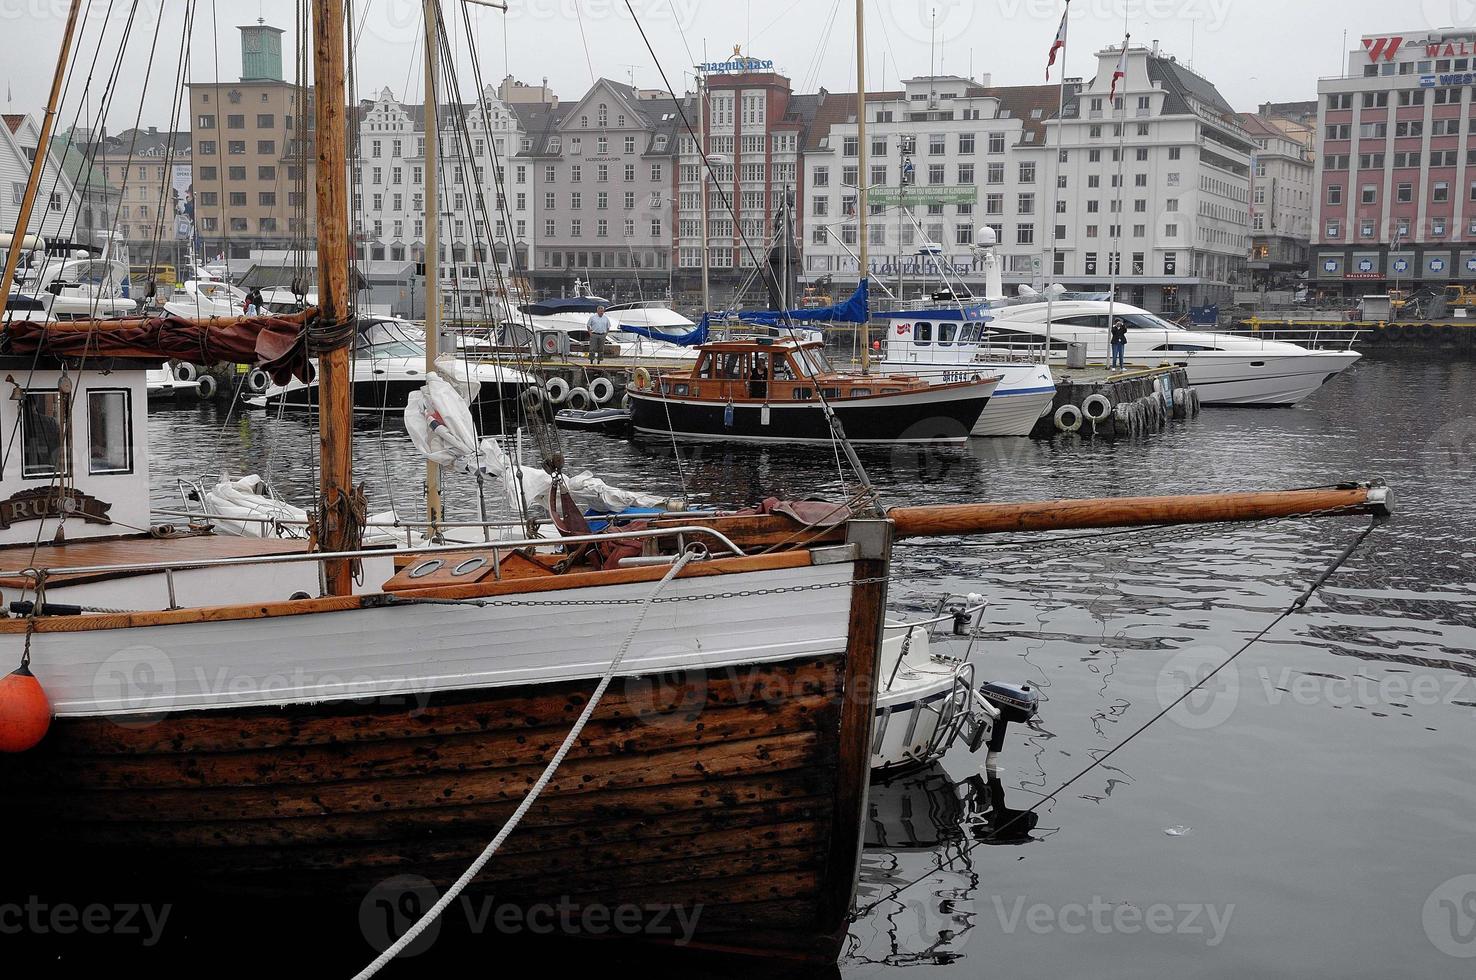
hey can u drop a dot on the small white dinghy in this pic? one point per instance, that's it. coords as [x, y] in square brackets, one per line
[928, 699]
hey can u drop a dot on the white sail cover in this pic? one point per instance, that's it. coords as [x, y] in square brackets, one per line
[440, 424]
[232, 501]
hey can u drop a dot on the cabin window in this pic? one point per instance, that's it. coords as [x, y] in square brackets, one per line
[860, 392]
[109, 431]
[946, 334]
[971, 333]
[830, 392]
[891, 391]
[802, 394]
[43, 436]
[680, 389]
[922, 333]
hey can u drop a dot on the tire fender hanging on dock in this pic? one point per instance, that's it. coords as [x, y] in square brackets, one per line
[1068, 418]
[557, 390]
[601, 389]
[1097, 407]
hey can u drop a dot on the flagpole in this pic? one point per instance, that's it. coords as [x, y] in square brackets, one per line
[1055, 171]
[1114, 261]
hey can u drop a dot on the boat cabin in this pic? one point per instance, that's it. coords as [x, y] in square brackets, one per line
[75, 452]
[765, 370]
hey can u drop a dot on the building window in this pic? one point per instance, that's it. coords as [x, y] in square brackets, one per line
[109, 431]
[850, 146]
[996, 142]
[1335, 194]
[965, 142]
[1369, 194]
[1024, 234]
[1027, 173]
[1442, 192]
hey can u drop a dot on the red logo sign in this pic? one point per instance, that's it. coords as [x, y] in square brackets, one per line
[1382, 47]
[903, 328]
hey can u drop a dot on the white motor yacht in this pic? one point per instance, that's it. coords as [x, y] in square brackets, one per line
[389, 364]
[1228, 369]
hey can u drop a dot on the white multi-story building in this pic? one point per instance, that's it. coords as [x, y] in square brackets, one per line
[482, 232]
[1155, 186]
[942, 159]
[1281, 200]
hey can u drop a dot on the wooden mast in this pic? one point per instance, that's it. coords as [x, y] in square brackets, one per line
[38, 166]
[432, 244]
[335, 389]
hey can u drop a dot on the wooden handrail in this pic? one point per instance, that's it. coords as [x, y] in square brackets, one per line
[1054, 515]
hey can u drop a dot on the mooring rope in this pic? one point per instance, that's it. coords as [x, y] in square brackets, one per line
[475, 869]
[1297, 605]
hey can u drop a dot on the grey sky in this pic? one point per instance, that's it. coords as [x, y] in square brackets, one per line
[1255, 50]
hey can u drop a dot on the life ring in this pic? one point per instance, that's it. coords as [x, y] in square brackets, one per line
[206, 386]
[580, 399]
[642, 378]
[557, 389]
[185, 371]
[258, 381]
[1068, 418]
[601, 390]
[532, 398]
[1096, 407]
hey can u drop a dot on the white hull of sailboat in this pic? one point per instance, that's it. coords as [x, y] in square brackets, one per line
[409, 650]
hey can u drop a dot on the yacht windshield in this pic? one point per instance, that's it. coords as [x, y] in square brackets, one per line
[392, 348]
[813, 361]
[1147, 321]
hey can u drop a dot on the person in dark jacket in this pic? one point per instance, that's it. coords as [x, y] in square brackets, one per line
[1119, 338]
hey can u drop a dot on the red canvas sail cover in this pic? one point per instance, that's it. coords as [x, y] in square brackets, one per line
[276, 344]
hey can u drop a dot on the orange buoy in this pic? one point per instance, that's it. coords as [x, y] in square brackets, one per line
[25, 711]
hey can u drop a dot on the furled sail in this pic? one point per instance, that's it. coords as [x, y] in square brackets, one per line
[857, 309]
[277, 344]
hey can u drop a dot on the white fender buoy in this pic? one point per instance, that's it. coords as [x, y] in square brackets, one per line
[207, 386]
[185, 371]
[1097, 407]
[1068, 418]
[580, 399]
[601, 390]
[557, 389]
[258, 381]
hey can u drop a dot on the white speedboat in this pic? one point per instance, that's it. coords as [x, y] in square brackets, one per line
[570, 316]
[202, 299]
[389, 364]
[1228, 369]
[163, 383]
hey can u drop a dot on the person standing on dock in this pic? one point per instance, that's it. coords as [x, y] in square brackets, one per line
[599, 326]
[1119, 340]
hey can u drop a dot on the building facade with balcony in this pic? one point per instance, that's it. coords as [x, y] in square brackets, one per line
[1281, 203]
[1396, 166]
[253, 156]
[597, 173]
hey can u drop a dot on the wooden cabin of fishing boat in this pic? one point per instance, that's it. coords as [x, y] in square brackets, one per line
[75, 493]
[762, 390]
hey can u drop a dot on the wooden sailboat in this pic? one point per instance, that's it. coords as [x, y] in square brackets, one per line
[253, 718]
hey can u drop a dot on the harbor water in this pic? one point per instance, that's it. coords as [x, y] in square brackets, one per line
[1311, 811]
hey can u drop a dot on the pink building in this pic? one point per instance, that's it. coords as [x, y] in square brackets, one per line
[1396, 166]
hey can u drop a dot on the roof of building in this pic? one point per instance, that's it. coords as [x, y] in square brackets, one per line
[539, 122]
[1033, 105]
[150, 142]
[13, 120]
[81, 168]
[1181, 84]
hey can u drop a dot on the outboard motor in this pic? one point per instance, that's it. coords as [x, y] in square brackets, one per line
[1014, 703]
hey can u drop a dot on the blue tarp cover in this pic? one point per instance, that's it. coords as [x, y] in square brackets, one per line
[857, 309]
[697, 335]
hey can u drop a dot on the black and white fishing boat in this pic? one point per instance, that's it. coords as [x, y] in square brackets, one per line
[783, 391]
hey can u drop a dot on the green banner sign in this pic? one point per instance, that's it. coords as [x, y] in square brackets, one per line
[893, 196]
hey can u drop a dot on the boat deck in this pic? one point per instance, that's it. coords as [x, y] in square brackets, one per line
[132, 550]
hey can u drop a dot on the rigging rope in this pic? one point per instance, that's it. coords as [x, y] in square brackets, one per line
[471, 872]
